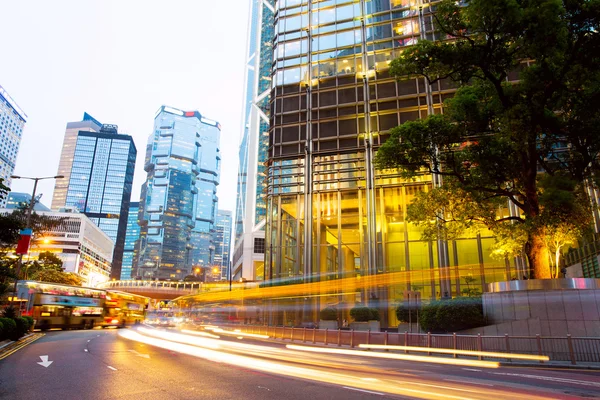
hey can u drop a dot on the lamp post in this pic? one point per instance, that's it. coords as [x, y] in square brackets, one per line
[28, 225]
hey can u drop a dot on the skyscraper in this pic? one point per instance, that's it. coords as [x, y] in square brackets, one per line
[333, 102]
[223, 242]
[98, 165]
[132, 235]
[248, 259]
[12, 122]
[178, 206]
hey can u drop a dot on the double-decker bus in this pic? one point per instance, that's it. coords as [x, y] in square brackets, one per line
[122, 309]
[54, 305]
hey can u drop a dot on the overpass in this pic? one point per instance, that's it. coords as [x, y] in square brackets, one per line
[163, 290]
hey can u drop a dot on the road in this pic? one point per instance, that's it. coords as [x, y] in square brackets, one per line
[154, 364]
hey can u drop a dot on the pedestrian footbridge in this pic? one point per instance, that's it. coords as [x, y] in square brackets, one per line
[164, 290]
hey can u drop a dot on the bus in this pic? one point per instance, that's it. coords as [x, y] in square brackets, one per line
[121, 309]
[54, 305]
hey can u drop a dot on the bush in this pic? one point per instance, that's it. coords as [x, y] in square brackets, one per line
[329, 314]
[361, 314]
[375, 314]
[9, 328]
[31, 321]
[1, 331]
[452, 315]
[22, 328]
[404, 313]
[10, 312]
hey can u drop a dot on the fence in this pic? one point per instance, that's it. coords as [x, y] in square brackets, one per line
[568, 348]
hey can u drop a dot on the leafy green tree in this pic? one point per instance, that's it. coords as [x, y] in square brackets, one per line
[48, 268]
[3, 189]
[527, 101]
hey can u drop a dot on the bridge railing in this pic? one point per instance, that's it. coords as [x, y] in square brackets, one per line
[164, 285]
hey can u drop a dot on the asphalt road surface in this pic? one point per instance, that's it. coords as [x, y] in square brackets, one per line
[154, 364]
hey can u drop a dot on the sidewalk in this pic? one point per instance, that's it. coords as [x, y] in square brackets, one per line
[9, 347]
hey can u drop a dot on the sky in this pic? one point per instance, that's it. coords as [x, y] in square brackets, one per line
[120, 60]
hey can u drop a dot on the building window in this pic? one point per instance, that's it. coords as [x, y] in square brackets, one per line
[259, 245]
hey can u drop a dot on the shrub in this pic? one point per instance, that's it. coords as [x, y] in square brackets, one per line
[361, 314]
[22, 328]
[2, 331]
[9, 328]
[329, 314]
[452, 315]
[9, 312]
[31, 322]
[374, 314]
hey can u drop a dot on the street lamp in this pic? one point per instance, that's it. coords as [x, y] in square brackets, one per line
[28, 223]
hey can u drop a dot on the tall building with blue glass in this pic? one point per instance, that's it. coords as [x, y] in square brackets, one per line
[178, 206]
[12, 122]
[248, 254]
[98, 164]
[223, 242]
[132, 234]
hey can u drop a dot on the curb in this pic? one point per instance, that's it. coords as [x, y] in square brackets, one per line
[13, 347]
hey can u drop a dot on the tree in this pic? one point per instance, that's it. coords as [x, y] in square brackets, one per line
[48, 268]
[497, 133]
[3, 189]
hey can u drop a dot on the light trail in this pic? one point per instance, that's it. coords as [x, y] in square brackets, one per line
[404, 357]
[516, 356]
[254, 358]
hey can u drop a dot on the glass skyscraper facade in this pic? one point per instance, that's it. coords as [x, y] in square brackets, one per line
[99, 180]
[223, 242]
[248, 260]
[178, 206]
[12, 122]
[333, 102]
[132, 235]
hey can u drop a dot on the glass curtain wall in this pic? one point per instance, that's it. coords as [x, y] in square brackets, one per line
[333, 103]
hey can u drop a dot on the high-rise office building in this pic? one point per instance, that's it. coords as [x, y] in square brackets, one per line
[333, 103]
[132, 235]
[98, 164]
[223, 242]
[12, 122]
[178, 206]
[248, 259]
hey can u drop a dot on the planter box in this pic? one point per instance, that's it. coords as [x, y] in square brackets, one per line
[373, 326]
[328, 324]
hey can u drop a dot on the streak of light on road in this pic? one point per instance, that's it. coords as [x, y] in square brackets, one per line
[357, 379]
[516, 356]
[405, 357]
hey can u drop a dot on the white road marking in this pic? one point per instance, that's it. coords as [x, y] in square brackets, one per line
[113, 368]
[471, 369]
[549, 378]
[363, 390]
[89, 340]
[468, 383]
[140, 354]
[85, 350]
[45, 363]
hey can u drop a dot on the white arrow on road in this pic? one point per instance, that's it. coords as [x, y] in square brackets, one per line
[140, 354]
[45, 363]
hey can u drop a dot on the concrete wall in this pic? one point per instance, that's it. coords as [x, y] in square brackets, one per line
[544, 312]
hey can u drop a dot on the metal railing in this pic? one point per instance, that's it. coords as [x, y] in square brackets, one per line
[566, 348]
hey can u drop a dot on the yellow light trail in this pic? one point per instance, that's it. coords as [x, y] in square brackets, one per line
[351, 379]
[332, 287]
[404, 357]
[516, 356]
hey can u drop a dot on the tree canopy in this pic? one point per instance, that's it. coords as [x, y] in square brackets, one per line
[523, 126]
